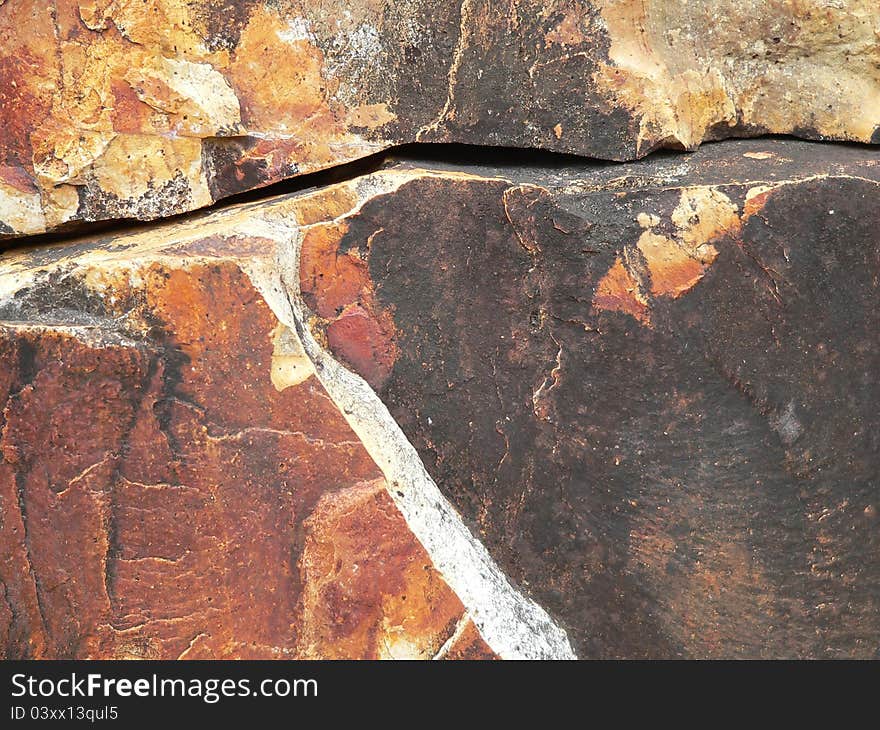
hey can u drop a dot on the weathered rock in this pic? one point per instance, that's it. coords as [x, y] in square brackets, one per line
[115, 109]
[648, 388]
[175, 483]
[652, 389]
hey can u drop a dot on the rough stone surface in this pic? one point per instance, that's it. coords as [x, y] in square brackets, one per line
[653, 394]
[175, 483]
[142, 109]
[649, 389]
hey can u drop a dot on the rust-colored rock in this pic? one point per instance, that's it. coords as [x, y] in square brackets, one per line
[115, 109]
[648, 389]
[175, 483]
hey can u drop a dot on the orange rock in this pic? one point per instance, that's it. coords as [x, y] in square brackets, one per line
[175, 483]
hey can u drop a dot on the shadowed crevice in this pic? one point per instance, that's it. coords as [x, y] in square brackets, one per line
[478, 159]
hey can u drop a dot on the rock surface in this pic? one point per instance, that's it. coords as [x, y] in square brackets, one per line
[650, 390]
[175, 483]
[117, 109]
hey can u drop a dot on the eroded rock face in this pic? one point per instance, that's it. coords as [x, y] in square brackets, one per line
[648, 389]
[174, 481]
[141, 110]
[653, 394]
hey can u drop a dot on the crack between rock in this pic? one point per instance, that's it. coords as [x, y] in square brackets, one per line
[487, 160]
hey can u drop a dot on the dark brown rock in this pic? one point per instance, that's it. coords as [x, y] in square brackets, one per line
[652, 394]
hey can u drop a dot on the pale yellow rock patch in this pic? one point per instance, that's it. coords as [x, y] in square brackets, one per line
[290, 364]
[19, 210]
[196, 93]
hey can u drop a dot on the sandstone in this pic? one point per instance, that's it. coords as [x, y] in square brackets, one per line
[113, 109]
[457, 410]
[651, 388]
[175, 483]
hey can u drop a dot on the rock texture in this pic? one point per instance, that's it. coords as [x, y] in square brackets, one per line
[174, 481]
[652, 389]
[649, 389]
[142, 109]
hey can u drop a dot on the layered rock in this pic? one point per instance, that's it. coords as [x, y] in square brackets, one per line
[648, 390]
[114, 109]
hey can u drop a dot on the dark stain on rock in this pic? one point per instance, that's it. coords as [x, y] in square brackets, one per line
[167, 199]
[59, 297]
[221, 21]
[691, 487]
[228, 168]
